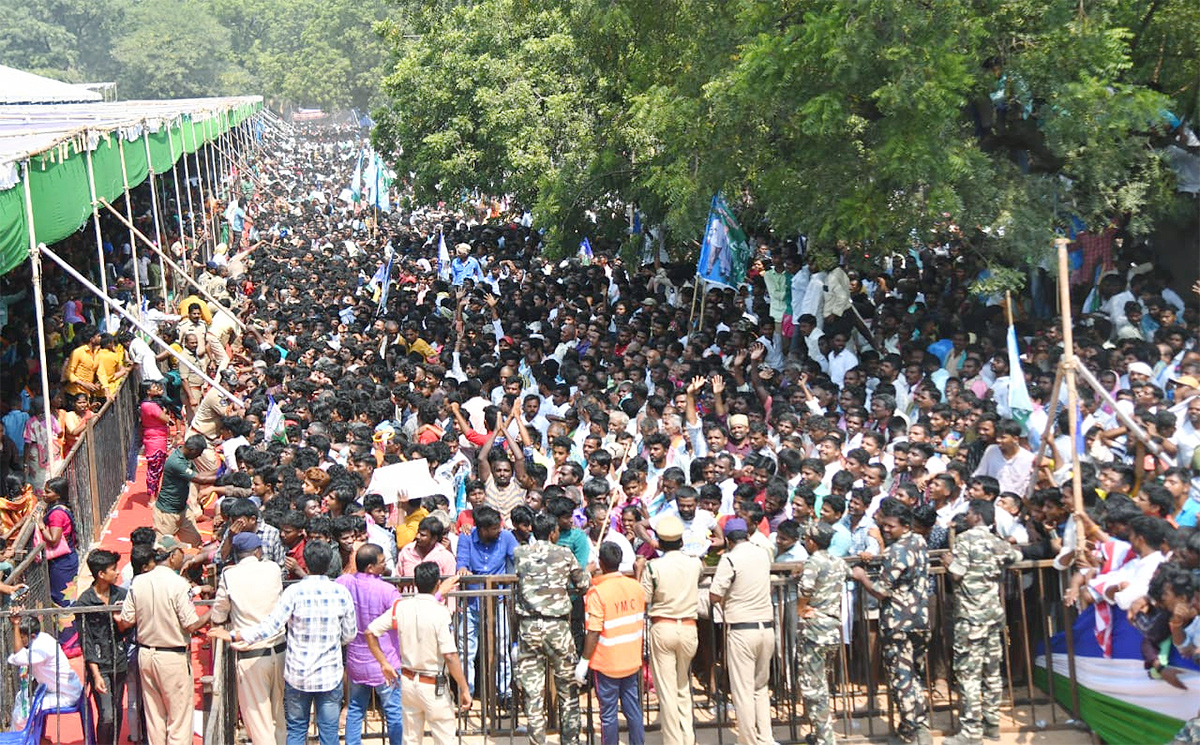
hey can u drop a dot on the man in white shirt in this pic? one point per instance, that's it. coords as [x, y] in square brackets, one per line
[841, 359]
[143, 357]
[1006, 461]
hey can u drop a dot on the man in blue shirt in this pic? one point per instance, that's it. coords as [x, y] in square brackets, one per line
[831, 514]
[488, 550]
[464, 266]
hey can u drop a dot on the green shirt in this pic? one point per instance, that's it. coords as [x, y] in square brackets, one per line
[577, 541]
[176, 482]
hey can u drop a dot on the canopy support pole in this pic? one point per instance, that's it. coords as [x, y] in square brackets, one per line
[137, 267]
[162, 268]
[202, 170]
[39, 309]
[214, 192]
[183, 254]
[96, 224]
[140, 326]
[187, 182]
[195, 285]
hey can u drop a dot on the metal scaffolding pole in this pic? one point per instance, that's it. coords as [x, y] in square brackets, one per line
[40, 312]
[162, 268]
[96, 222]
[137, 275]
[138, 324]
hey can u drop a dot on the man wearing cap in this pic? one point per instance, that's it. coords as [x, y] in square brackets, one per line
[159, 605]
[547, 577]
[670, 585]
[820, 590]
[247, 592]
[319, 617]
[464, 266]
[742, 587]
[1187, 434]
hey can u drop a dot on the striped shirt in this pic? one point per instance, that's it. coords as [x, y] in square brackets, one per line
[320, 618]
[616, 607]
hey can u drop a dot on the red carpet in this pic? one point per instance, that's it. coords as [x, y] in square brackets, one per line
[132, 511]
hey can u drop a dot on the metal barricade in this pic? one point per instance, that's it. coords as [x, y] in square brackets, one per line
[862, 709]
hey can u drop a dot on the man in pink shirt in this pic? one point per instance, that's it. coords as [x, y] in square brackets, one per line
[426, 547]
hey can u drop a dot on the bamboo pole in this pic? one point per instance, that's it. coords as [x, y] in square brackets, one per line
[195, 285]
[1049, 431]
[39, 309]
[695, 292]
[1069, 365]
[140, 326]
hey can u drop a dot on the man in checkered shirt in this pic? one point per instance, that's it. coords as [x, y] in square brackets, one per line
[320, 620]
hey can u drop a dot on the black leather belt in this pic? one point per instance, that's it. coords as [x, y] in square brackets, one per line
[178, 650]
[540, 617]
[747, 625]
[265, 652]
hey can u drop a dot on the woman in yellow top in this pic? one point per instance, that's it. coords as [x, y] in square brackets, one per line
[74, 420]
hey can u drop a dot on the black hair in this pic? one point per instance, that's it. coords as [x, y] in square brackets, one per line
[544, 525]
[610, 556]
[896, 509]
[318, 557]
[101, 559]
[426, 576]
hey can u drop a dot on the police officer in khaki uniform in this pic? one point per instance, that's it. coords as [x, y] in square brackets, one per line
[428, 658]
[159, 605]
[670, 583]
[742, 587]
[246, 594]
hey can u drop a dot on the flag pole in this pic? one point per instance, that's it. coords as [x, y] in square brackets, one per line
[1069, 364]
[1008, 311]
[695, 291]
[703, 297]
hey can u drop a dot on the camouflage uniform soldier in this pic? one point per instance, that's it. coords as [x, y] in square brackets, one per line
[978, 563]
[903, 592]
[821, 586]
[546, 575]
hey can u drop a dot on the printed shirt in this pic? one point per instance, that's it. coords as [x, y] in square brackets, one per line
[102, 642]
[616, 607]
[320, 618]
[547, 574]
[823, 581]
[372, 598]
[979, 559]
[905, 574]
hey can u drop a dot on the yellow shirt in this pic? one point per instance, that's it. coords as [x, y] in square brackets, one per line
[82, 367]
[108, 365]
[406, 532]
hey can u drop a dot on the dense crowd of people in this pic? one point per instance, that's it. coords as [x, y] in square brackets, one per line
[589, 428]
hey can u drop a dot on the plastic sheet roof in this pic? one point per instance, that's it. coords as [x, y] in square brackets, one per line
[31, 130]
[18, 86]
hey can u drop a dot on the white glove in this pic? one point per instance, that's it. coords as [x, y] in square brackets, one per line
[581, 671]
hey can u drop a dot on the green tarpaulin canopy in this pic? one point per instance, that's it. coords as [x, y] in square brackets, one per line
[53, 139]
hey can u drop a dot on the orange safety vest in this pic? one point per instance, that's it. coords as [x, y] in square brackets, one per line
[616, 607]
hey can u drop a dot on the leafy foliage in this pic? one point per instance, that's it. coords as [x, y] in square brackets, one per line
[304, 52]
[864, 121]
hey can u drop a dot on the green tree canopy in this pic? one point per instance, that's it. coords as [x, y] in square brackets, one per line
[867, 121]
